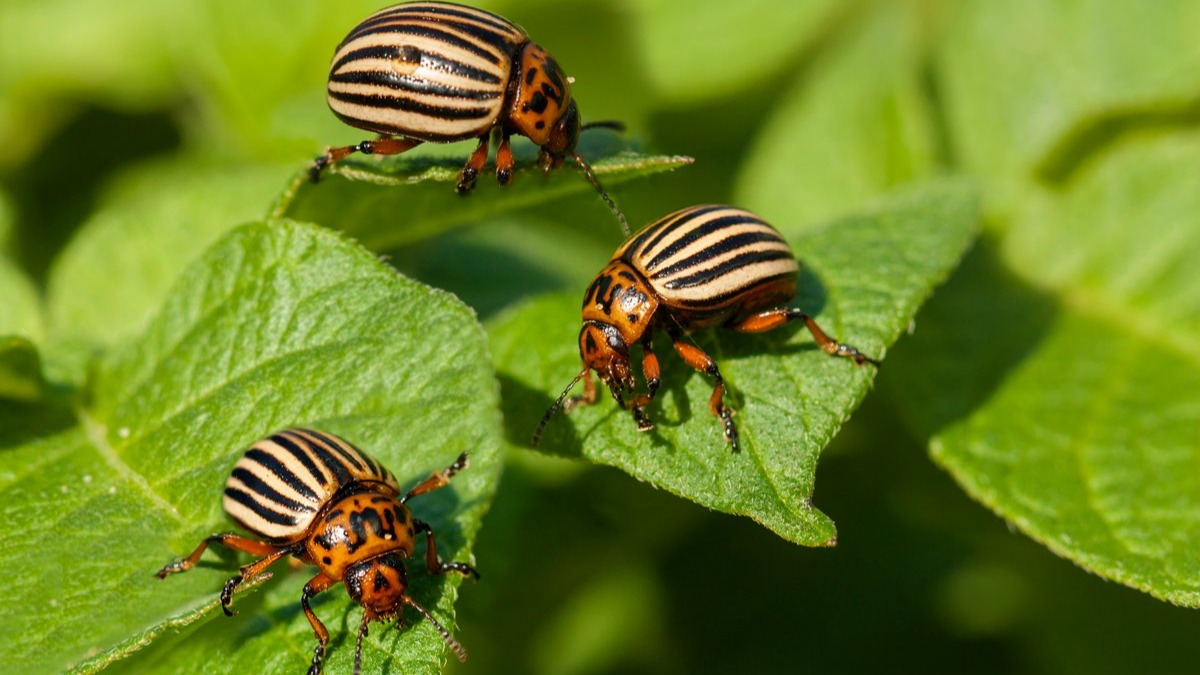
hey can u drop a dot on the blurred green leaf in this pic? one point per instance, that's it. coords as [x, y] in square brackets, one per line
[1018, 77]
[278, 324]
[866, 276]
[691, 55]
[21, 309]
[20, 369]
[1079, 424]
[819, 155]
[400, 200]
[58, 50]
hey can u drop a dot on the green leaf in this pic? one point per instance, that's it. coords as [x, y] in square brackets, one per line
[400, 200]
[20, 325]
[20, 369]
[278, 324]
[52, 52]
[865, 278]
[683, 48]
[1060, 378]
[836, 138]
[155, 220]
[1055, 70]
[21, 310]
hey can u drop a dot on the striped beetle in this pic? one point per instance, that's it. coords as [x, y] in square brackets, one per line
[699, 267]
[436, 72]
[316, 497]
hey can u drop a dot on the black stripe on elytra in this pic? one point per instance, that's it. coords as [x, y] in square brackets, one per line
[272, 464]
[259, 509]
[409, 105]
[497, 23]
[298, 447]
[431, 60]
[412, 85]
[720, 248]
[348, 452]
[436, 15]
[436, 34]
[738, 261]
[719, 301]
[652, 236]
[260, 487]
[699, 230]
[341, 475]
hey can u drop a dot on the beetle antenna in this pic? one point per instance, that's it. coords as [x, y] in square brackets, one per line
[591, 177]
[446, 637]
[615, 125]
[362, 633]
[537, 435]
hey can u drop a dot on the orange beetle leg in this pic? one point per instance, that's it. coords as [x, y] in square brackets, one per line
[381, 146]
[771, 319]
[470, 171]
[698, 360]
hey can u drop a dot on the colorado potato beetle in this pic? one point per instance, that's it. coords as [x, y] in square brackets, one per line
[699, 267]
[316, 497]
[437, 72]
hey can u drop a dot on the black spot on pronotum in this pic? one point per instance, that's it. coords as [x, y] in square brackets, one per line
[537, 103]
[551, 93]
[327, 560]
[530, 75]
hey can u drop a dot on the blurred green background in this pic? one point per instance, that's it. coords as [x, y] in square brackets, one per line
[106, 109]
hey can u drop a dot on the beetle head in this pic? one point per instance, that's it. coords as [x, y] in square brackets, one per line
[564, 135]
[380, 585]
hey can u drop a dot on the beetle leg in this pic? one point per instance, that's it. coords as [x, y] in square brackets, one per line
[437, 479]
[238, 543]
[246, 573]
[470, 171]
[774, 318]
[432, 561]
[651, 372]
[316, 585]
[381, 146]
[698, 360]
[504, 161]
[227, 539]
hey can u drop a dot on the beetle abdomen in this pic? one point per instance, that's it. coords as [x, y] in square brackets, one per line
[431, 71]
[280, 484]
[712, 260]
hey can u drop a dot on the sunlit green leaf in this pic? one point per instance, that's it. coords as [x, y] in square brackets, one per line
[1065, 396]
[1019, 78]
[866, 277]
[397, 201]
[277, 325]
